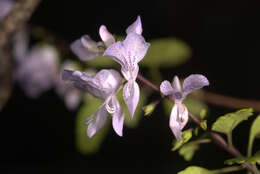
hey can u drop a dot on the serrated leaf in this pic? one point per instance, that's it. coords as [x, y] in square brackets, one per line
[138, 112]
[254, 131]
[253, 159]
[195, 170]
[166, 52]
[225, 124]
[84, 144]
[186, 136]
[188, 150]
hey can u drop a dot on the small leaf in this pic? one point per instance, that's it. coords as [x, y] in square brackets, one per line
[186, 136]
[188, 150]
[167, 52]
[225, 124]
[253, 159]
[203, 125]
[148, 109]
[132, 123]
[195, 170]
[254, 131]
[84, 144]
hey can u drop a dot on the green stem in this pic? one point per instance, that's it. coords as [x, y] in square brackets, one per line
[228, 169]
[229, 137]
[250, 147]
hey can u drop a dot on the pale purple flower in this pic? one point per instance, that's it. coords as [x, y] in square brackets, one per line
[179, 113]
[71, 96]
[87, 49]
[128, 53]
[103, 85]
[38, 71]
[5, 7]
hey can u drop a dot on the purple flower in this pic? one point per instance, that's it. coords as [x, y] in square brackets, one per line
[5, 7]
[103, 85]
[38, 71]
[179, 114]
[128, 53]
[87, 49]
[71, 96]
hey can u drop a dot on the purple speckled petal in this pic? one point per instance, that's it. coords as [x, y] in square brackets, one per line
[98, 121]
[117, 52]
[135, 48]
[194, 81]
[166, 88]
[136, 27]
[85, 48]
[106, 36]
[179, 118]
[117, 116]
[131, 93]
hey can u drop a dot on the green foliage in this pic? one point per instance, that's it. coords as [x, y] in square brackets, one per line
[195, 106]
[203, 125]
[254, 133]
[225, 124]
[195, 170]
[104, 62]
[148, 109]
[166, 52]
[186, 136]
[84, 144]
[253, 159]
[188, 150]
[132, 123]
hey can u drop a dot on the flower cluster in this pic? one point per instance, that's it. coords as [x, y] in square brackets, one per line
[127, 53]
[105, 83]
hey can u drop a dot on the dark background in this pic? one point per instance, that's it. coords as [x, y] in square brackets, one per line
[37, 136]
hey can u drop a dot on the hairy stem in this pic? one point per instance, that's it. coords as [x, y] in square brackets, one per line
[215, 136]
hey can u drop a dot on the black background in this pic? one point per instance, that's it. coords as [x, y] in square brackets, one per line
[37, 136]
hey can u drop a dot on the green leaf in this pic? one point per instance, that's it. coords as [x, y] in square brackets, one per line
[188, 150]
[166, 52]
[84, 144]
[132, 123]
[195, 170]
[148, 109]
[186, 136]
[225, 124]
[254, 133]
[253, 159]
[203, 125]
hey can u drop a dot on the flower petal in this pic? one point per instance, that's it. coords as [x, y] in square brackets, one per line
[106, 36]
[166, 88]
[135, 27]
[176, 84]
[99, 120]
[117, 52]
[178, 119]
[85, 48]
[194, 81]
[131, 93]
[117, 116]
[135, 48]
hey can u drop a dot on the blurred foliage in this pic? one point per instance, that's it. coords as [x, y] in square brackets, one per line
[188, 150]
[203, 124]
[102, 62]
[225, 124]
[166, 52]
[84, 144]
[195, 170]
[253, 159]
[133, 123]
[186, 136]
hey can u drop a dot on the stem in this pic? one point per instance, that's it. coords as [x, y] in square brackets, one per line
[229, 138]
[250, 147]
[228, 169]
[217, 138]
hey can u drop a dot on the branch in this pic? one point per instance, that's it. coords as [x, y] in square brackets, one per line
[216, 137]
